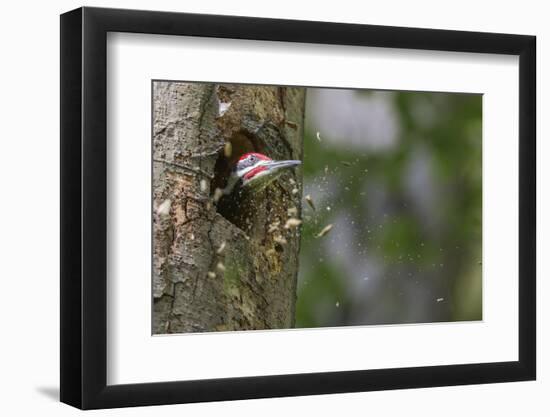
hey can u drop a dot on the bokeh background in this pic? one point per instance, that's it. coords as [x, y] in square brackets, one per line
[398, 175]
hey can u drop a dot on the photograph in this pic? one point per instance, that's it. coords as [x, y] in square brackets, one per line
[293, 207]
[259, 206]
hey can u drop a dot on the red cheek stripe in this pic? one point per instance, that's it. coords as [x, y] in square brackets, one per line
[254, 171]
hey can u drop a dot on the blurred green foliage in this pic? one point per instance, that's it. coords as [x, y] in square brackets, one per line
[406, 240]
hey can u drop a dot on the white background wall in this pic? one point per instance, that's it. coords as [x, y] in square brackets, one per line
[29, 236]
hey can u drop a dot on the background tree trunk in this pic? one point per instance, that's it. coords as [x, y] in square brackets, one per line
[211, 272]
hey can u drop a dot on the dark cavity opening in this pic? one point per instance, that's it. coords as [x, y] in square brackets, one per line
[232, 206]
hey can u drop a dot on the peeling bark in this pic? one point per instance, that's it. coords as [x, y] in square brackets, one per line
[210, 272]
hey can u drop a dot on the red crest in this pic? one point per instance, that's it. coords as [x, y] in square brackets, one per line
[256, 154]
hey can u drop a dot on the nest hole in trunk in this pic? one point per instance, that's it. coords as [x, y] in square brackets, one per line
[231, 206]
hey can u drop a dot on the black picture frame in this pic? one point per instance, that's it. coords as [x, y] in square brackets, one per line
[84, 207]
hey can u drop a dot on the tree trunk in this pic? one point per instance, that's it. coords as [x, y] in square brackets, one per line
[212, 272]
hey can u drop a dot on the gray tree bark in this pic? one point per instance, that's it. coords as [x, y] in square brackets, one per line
[212, 272]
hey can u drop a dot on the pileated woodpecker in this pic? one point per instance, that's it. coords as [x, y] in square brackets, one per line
[252, 173]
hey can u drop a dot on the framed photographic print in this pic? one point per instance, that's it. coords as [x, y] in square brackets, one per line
[257, 208]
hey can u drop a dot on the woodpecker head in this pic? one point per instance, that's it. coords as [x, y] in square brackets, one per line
[257, 170]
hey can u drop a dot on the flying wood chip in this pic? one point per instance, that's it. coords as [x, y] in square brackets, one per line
[292, 222]
[325, 231]
[221, 248]
[310, 202]
[228, 149]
